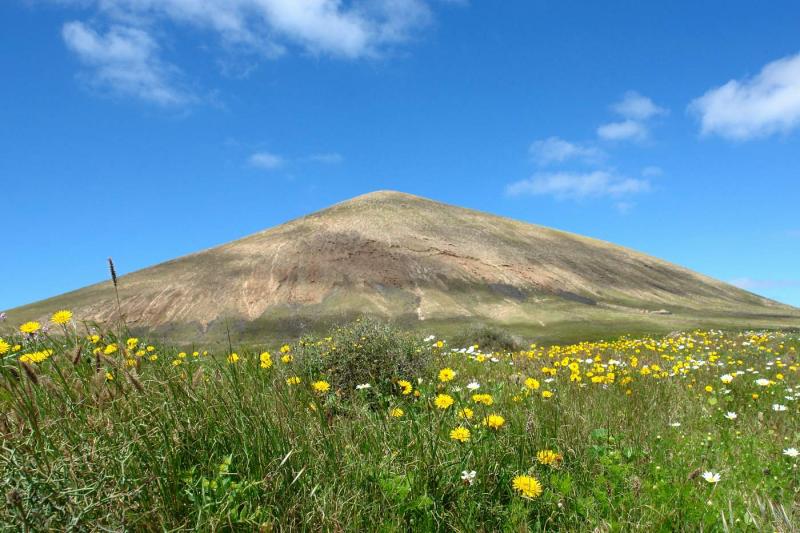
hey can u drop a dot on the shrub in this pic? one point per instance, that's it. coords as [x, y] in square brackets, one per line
[489, 339]
[364, 351]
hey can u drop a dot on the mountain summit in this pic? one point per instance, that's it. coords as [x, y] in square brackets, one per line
[419, 262]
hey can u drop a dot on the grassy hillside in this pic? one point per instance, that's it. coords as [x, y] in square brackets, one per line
[368, 428]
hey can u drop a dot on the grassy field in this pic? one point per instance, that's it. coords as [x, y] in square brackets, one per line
[369, 428]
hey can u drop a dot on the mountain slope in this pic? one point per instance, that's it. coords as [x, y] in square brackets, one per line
[417, 261]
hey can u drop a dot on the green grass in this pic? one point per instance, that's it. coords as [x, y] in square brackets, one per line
[93, 442]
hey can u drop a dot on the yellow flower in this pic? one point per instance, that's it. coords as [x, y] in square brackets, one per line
[286, 348]
[293, 380]
[35, 357]
[232, 358]
[532, 384]
[528, 486]
[396, 412]
[443, 401]
[485, 399]
[109, 376]
[30, 327]
[321, 386]
[405, 386]
[439, 344]
[153, 357]
[94, 338]
[110, 349]
[4, 347]
[709, 388]
[466, 413]
[494, 421]
[460, 434]
[182, 355]
[176, 362]
[547, 394]
[549, 457]
[266, 360]
[446, 374]
[132, 343]
[287, 358]
[61, 317]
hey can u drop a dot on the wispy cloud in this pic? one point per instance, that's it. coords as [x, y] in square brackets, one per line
[652, 171]
[637, 111]
[576, 186]
[622, 131]
[634, 106]
[557, 150]
[266, 28]
[763, 105]
[124, 60]
[266, 161]
[757, 284]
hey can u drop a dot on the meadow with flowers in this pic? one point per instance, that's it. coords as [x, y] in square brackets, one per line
[371, 428]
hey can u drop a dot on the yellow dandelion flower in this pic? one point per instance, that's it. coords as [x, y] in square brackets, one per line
[443, 401]
[528, 486]
[293, 380]
[547, 394]
[232, 358]
[405, 386]
[110, 349]
[30, 327]
[494, 421]
[4, 347]
[485, 399]
[466, 413]
[396, 413]
[532, 384]
[287, 358]
[286, 348]
[61, 317]
[549, 458]
[109, 376]
[266, 360]
[460, 434]
[321, 386]
[446, 374]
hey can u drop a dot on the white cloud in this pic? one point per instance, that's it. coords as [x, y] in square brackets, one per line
[634, 106]
[266, 161]
[637, 111]
[622, 131]
[756, 107]
[319, 26]
[756, 284]
[570, 185]
[124, 60]
[557, 150]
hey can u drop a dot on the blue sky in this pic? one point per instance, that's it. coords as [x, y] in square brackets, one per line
[145, 130]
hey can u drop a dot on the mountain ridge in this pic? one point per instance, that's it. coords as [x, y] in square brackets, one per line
[413, 260]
